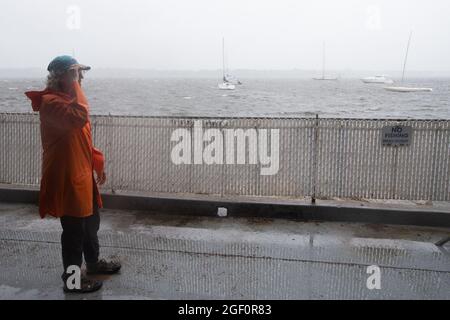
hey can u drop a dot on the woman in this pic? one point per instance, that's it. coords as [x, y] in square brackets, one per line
[68, 190]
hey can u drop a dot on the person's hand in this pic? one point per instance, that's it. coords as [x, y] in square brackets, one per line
[75, 73]
[101, 178]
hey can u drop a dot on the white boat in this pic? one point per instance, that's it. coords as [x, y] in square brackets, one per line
[407, 89]
[378, 80]
[227, 83]
[226, 86]
[324, 78]
[232, 79]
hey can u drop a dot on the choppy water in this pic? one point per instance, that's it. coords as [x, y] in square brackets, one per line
[257, 97]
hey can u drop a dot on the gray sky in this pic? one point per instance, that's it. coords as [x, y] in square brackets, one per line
[259, 34]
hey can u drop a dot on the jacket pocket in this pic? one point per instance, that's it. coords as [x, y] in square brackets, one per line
[81, 177]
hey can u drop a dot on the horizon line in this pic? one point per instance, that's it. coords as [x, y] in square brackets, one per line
[235, 69]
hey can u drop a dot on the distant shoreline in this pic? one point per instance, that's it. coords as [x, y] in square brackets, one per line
[20, 73]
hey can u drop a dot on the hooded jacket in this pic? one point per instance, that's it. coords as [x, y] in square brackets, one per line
[69, 157]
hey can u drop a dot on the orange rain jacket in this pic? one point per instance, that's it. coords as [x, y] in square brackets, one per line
[69, 158]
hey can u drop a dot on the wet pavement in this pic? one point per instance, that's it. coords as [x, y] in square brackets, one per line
[186, 257]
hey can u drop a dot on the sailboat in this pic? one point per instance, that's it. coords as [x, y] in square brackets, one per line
[227, 80]
[407, 89]
[323, 68]
[232, 79]
[378, 79]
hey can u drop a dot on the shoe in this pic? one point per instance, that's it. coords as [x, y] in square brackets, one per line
[103, 267]
[86, 286]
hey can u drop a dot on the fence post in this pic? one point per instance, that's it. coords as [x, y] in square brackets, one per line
[109, 139]
[315, 158]
[394, 174]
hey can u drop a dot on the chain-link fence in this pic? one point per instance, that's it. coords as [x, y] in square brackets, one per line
[321, 158]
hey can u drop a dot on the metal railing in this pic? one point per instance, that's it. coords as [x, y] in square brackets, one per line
[318, 158]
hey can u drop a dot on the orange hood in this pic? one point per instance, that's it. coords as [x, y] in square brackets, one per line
[36, 97]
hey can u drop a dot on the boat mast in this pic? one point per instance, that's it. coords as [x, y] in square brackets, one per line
[323, 61]
[223, 58]
[406, 57]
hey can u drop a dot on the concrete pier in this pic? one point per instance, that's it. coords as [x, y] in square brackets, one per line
[193, 257]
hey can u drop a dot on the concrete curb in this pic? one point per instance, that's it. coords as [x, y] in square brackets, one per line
[175, 204]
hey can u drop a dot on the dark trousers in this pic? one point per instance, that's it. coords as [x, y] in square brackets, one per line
[79, 237]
